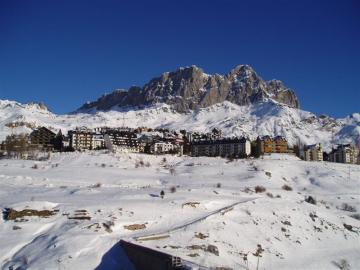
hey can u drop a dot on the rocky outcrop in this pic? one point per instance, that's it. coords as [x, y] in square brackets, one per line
[190, 88]
[37, 105]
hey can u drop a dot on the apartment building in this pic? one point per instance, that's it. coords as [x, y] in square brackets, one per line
[81, 139]
[42, 137]
[344, 153]
[123, 141]
[237, 147]
[312, 152]
[268, 145]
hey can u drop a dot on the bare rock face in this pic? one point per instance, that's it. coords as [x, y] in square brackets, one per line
[38, 105]
[190, 88]
[183, 89]
[107, 101]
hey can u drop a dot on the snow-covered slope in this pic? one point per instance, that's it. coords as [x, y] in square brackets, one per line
[265, 118]
[108, 193]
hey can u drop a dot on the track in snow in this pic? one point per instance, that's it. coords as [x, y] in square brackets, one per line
[187, 224]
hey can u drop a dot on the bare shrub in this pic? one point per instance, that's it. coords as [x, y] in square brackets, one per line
[260, 189]
[311, 200]
[97, 185]
[172, 171]
[107, 225]
[258, 254]
[348, 207]
[173, 189]
[35, 166]
[230, 159]
[139, 163]
[270, 195]
[356, 216]
[247, 190]
[287, 188]
[342, 264]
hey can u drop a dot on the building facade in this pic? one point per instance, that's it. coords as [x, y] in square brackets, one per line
[344, 153]
[312, 152]
[42, 137]
[81, 140]
[238, 147]
[98, 141]
[123, 141]
[268, 145]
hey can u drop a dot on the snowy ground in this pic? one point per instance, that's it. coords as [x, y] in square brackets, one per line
[111, 192]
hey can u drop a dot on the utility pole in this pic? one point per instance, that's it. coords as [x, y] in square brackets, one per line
[123, 121]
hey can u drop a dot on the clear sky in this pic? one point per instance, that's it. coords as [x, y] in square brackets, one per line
[67, 52]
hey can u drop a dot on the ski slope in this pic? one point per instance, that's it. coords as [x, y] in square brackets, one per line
[114, 193]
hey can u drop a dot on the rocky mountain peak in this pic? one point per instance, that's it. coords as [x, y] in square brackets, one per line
[189, 88]
[38, 105]
[242, 71]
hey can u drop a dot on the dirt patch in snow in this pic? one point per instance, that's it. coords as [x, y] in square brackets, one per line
[134, 227]
[209, 248]
[12, 214]
[201, 235]
[192, 204]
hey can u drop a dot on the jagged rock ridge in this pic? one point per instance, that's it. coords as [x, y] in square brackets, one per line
[190, 88]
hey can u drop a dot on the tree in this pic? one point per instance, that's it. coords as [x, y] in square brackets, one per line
[17, 145]
[57, 141]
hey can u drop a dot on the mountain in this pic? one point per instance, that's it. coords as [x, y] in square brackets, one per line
[240, 103]
[190, 88]
[261, 118]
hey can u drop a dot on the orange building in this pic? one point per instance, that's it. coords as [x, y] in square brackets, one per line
[268, 145]
[281, 145]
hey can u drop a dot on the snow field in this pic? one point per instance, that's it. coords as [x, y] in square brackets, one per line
[106, 192]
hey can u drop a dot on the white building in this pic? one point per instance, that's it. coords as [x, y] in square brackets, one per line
[162, 147]
[98, 141]
[345, 153]
[81, 140]
[312, 152]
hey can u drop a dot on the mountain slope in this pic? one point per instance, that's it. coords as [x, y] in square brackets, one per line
[262, 118]
[190, 88]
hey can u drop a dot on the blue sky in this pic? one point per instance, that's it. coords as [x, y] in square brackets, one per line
[67, 52]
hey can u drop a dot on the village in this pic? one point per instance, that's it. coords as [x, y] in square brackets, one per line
[43, 141]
